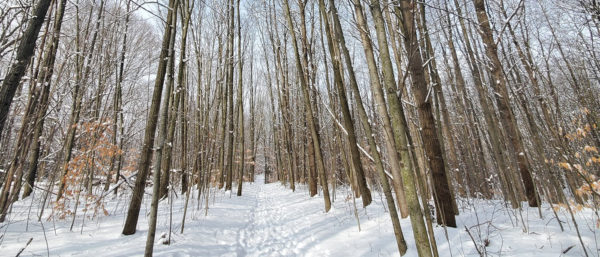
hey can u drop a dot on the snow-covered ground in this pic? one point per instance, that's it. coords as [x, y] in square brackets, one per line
[270, 220]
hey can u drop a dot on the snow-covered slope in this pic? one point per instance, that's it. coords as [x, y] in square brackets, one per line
[270, 220]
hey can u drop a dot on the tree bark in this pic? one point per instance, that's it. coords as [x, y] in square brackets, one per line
[502, 100]
[240, 104]
[445, 210]
[308, 106]
[334, 50]
[23, 57]
[146, 153]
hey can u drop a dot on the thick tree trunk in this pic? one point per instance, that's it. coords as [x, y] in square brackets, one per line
[502, 101]
[162, 142]
[397, 138]
[229, 96]
[222, 95]
[445, 211]
[24, 52]
[343, 101]
[308, 106]
[146, 153]
[175, 107]
[44, 78]
[395, 130]
[240, 105]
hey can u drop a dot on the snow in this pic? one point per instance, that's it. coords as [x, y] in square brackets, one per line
[271, 220]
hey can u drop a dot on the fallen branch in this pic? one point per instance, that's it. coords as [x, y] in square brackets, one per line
[568, 249]
[23, 249]
[115, 186]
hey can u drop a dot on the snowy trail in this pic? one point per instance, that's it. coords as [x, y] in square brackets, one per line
[269, 220]
[266, 233]
[273, 224]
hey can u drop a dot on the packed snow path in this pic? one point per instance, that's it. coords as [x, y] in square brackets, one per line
[266, 232]
[271, 220]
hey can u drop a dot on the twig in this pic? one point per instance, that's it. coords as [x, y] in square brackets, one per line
[357, 144]
[45, 239]
[475, 243]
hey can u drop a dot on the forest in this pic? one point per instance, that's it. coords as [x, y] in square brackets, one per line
[300, 127]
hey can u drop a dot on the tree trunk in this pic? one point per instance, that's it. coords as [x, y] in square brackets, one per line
[229, 166]
[162, 142]
[240, 104]
[45, 79]
[502, 100]
[445, 211]
[24, 53]
[337, 70]
[308, 106]
[146, 153]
